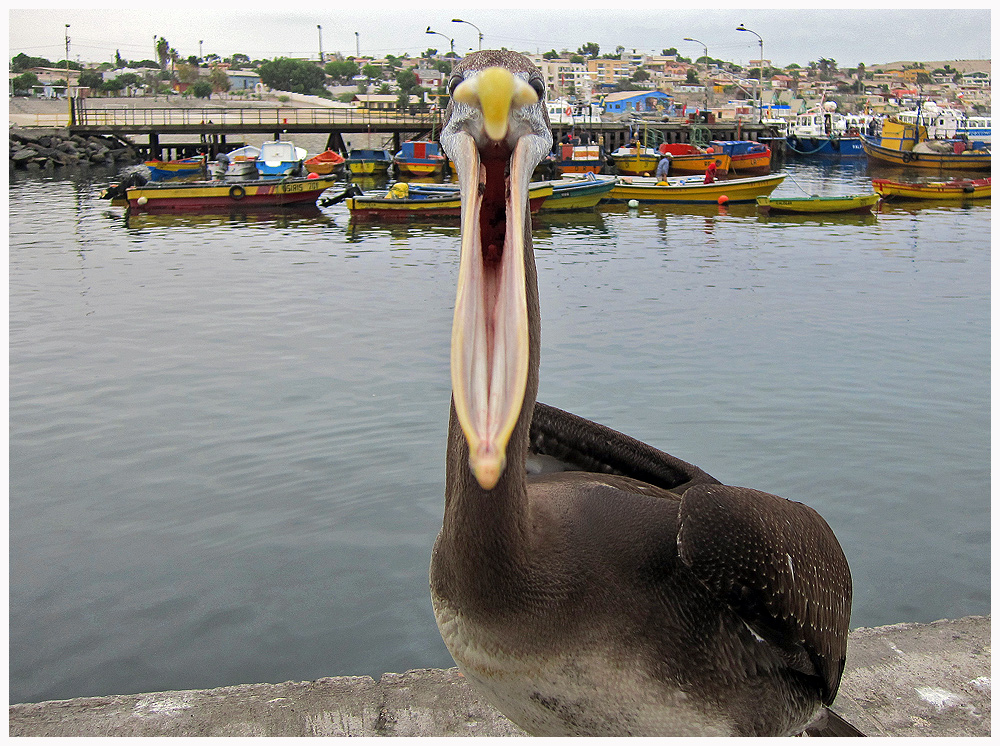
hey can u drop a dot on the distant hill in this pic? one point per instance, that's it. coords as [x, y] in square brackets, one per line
[965, 66]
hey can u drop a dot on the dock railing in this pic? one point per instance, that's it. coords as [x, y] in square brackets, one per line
[122, 117]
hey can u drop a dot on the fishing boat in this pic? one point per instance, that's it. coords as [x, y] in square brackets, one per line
[906, 144]
[694, 190]
[862, 203]
[419, 158]
[579, 159]
[635, 160]
[961, 189]
[821, 131]
[179, 168]
[236, 165]
[280, 158]
[577, 194]
[215, 195]
[690, 159]
[747, 158]
[399, 203]
[327, 162]
[369, 162]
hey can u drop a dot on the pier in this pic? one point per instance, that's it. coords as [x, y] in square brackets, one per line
[900, 680]
[215, 126]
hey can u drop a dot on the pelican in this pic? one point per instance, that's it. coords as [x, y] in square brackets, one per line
[630, 593]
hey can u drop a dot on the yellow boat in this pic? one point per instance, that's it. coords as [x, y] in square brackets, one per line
[217, 195]
[812, 205]
[906, 144]
[694, 190]
[961, 189]
[635, 161]
[401, 204]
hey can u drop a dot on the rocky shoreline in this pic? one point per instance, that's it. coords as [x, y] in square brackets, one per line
[51, 151]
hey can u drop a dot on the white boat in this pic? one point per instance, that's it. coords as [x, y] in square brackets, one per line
[944, 122]
[822, 131]
[280, 158]
[560, 112]
[239, 164]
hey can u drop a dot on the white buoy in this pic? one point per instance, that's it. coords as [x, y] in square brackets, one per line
[142, 200]
[633, 203]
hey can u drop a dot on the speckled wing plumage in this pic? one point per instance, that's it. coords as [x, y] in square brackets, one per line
[779, 567]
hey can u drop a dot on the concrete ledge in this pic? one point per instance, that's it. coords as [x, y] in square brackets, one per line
[901, 680]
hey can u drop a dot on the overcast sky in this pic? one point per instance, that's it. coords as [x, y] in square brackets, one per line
[261, 31]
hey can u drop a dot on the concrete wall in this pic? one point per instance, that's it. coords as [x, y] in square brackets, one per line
[901, 680]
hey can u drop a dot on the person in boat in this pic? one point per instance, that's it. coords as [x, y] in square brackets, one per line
[662, 168]
[710, 172]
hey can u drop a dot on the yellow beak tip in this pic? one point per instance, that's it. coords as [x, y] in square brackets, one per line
[487, 469]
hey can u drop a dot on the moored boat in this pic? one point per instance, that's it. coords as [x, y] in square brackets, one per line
[235, 165]
[399, 203]
[280, 158]
[178, 168]
[746, 157]
[906, 144]
[419, 158]
[693, 189]
[960, 189]
[577, 194]
[686, 159]
[368, 162]
[631, 160]
[815, 204]
[821, 131]
[214, 195]
[579, 159]
[324, 163]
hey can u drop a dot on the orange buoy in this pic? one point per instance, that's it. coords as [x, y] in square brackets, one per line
[312, 175]
[723, 199]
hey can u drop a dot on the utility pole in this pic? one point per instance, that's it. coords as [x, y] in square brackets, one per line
[357, 39]
[319, 29]
[69, 99]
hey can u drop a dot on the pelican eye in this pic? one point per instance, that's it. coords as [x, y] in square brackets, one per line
[453, 84]
[538, 86]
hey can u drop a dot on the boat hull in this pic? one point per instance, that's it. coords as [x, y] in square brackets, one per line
[636, 164]
[585, 195]
[942, 190]
[388, 208]
[179, 169]
[862, 203]
[420, 169]
[215, 196]
[687, 165]
[975, 160]
[735, 190]
[368, 168]
[825, 146]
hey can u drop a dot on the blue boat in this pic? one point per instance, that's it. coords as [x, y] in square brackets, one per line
[420, 158]
[181, 168]
[280, 158]
[822, 132]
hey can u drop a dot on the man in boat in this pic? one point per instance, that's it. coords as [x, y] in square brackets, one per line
[662, 168]
[710, 172]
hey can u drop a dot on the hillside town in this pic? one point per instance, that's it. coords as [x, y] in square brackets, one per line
[611, 84]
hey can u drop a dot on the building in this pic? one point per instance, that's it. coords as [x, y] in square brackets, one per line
[610, 72]
[243, 80]
[639, 102]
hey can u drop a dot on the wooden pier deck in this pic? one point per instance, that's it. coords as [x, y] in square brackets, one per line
[213, 125]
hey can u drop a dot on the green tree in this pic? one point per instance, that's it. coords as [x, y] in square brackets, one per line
[342, 70]
[114, 85]
[202, 89]
[577, 59]
[91, 79]
[218, 80]
[162, 52]
[239, 60]
[24, 83]
[406, 79]
[22, 62]
[297, 76]
[590, 49]
[692, 77]
[672, 52]
[551, 55]
[640, 75]
[372, 72]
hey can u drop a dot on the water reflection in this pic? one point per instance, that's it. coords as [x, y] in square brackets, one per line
[232, 217]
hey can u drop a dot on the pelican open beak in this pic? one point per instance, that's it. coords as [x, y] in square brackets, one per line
[494, 147]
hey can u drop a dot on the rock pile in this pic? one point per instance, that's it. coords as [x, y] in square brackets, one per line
[52, 151]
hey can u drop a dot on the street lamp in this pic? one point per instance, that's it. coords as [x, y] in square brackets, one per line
[459, 20]
[688, 38]
[451, 41]
[760, 109]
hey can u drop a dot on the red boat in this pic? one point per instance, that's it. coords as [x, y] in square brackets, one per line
[325, 163]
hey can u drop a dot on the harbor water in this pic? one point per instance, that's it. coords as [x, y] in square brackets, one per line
[227, 432]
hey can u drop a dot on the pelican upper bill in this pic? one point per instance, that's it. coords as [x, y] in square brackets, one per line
[627, 592]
